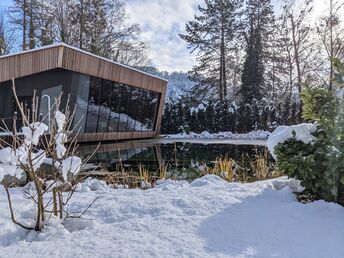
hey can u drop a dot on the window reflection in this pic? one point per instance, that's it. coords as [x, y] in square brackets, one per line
[116, 107]
[93, 105]
[83, 82]
[125, 93]
[105, 100]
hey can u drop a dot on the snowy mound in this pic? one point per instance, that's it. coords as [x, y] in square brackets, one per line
[206, 218]
[303, 132]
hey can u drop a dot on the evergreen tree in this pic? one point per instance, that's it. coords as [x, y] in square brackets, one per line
[212, 35]
[209, 118]
[259, 20]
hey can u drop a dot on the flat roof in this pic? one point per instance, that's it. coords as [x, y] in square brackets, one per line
[79, 50]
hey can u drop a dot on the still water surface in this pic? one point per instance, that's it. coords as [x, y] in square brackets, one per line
[184, 159]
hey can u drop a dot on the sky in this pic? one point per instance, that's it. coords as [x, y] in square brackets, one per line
[162, 20]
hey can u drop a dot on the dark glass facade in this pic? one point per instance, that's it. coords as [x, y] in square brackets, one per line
[116, 107]
[101, 105]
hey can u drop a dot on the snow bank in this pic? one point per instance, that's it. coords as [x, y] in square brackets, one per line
[207, 218]
[303, 132]
[255, 135]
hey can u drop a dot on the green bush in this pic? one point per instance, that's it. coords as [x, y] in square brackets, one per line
[320, 164]
[313, 164]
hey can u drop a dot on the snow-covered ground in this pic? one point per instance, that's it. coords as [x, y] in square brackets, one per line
[206, 218]
[255, 135]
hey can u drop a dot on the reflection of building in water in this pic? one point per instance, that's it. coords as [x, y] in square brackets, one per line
[112, 101]
[128, 154]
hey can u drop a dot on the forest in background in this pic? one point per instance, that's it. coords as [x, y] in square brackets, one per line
[253, 60]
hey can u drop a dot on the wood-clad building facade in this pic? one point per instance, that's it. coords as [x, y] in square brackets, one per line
[111, 101]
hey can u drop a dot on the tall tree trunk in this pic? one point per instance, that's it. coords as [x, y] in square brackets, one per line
[81, 23]
[297, 62]
[331, 45]
[24, 24]
[221, 75]
[31, 28]
[223, 86]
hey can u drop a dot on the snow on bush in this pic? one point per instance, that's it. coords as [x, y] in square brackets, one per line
[302, 132]
[60, 138]
[33, 132]
[28, 158]
[11, 160]
[71, 165]
[60, 120]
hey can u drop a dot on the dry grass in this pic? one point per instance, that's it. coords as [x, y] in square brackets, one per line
[145, 178]
[246, 169]
[163, 171]
[223, 167]
[261, 165]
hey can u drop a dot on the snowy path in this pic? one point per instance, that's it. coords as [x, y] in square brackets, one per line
[207, 218]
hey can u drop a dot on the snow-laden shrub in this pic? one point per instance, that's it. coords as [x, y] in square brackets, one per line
[46, 161]
[314, 156]
[311, 163]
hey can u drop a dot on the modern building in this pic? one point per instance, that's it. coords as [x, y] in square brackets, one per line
[111, 101]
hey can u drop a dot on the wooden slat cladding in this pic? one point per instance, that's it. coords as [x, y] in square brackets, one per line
[62, 56]
[28, 63]
[88, 64]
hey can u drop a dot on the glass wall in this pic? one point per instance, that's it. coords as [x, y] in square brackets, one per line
[93, 105]
[104, 112]
[81, 105]
[114, 107]
[47, 107]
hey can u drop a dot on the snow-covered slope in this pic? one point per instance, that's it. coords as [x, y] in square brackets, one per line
[207, 218]
[178, 82]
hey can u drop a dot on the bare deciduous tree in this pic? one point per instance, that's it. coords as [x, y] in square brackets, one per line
[40, 151]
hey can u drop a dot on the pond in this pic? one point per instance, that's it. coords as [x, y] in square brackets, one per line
[180, 159]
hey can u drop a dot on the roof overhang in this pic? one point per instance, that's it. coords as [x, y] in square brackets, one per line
[70, 58]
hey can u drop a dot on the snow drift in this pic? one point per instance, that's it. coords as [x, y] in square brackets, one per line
[206, 218]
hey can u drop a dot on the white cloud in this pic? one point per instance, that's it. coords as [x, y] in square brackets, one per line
[161, 21]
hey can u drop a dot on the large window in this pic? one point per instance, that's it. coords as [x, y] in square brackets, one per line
[105, 101]
[48, 103]
[115, 107]
[152, 101]
[124, 104]
[79, 122]
[135, 111]
[93, 105]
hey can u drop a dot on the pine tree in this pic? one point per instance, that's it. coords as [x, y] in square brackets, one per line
[212, 34]
[209, 117]
[259, 20]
